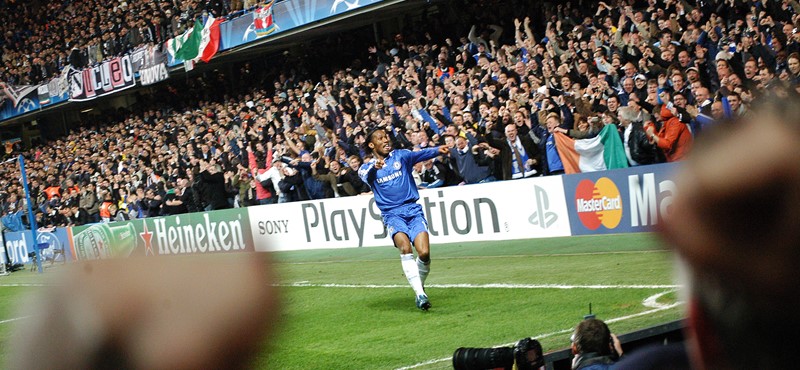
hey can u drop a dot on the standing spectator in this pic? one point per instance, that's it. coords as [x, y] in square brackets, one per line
[291, 185]
[674, 138]
[134, 206]
[89, 202]
[638, 148]
[105, 208]
[468, 168]
[151, 203]
[259, 168]
[248, 197]
[173, 204]
[519, 155]
[214, 183]
[350, 176]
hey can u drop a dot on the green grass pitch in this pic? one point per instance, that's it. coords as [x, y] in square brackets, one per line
[353, 309]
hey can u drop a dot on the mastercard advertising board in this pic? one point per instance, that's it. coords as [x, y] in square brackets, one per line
[619, 201]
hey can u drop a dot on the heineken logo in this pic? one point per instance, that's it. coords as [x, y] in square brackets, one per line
[206, 236]
[147, 237]
[224, 231]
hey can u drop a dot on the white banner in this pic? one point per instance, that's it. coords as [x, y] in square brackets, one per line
[519, 209]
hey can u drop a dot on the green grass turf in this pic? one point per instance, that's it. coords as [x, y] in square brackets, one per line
[352, 328]
[379, 328]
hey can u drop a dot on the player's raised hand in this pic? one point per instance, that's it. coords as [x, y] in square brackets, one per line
[379, 164]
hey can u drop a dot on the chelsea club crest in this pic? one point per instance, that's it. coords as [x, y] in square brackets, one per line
[396, 165]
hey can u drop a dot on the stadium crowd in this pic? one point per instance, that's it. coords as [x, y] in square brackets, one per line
[660, 71]
[37, 41]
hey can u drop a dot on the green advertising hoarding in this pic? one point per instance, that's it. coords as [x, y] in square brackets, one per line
[224, 231]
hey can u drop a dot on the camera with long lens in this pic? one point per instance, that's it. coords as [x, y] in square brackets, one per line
[526, 355]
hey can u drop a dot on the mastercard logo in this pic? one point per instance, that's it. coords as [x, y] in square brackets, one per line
[598, 203]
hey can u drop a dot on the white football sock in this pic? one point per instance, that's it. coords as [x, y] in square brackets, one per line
[424, 269]
[412, 273]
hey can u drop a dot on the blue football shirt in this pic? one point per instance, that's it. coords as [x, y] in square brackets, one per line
[393, 185]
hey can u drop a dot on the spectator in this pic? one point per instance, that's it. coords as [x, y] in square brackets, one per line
[78, 216]
[436, 174]
[260, 171]
[638, 148]
[88, 202]
[551, 161]
[105, 208]
[673, 138]
[349, 178]
[518, 154]
[214, 185]
[291, 185]
[173, 204]
[465, 161]
[330, 179]
[151, 203]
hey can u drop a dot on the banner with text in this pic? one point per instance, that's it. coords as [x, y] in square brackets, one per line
[221, 231]
[57, 90]
[149, 64]
[531, 208]
[619, 201]
[107, 78]
[18, 244]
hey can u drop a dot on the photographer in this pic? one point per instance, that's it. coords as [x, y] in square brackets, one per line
[594, 347]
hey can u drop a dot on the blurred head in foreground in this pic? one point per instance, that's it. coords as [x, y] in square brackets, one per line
[735, 225]
[181, 312]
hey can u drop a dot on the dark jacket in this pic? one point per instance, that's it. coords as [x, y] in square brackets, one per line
[642, 151]
[215, 193]
[593, 361]
[507, 154]
[468, 167]
[357, 185]
[293, 187]
[79, 218]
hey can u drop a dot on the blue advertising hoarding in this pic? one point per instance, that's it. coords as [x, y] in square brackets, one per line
[27, 104]
[18, 244]
[619, 201]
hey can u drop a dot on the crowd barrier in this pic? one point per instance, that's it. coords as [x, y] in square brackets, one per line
[616, 201]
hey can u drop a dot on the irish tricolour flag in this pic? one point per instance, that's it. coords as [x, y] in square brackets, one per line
[602, 152]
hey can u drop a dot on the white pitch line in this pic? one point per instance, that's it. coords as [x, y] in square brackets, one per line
[649, 300]
[478, 286]
[14, 319]
[484, 257]
[652, 301]
[22, 284]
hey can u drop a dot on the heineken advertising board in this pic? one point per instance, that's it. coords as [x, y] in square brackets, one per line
[222, 231]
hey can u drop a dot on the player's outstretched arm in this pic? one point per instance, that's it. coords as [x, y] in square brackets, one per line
[428, 153]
